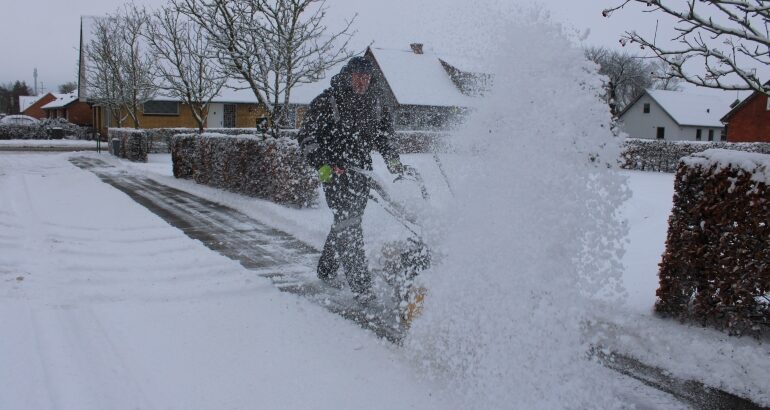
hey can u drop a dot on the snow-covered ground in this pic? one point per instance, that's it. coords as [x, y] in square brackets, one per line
[104, 305]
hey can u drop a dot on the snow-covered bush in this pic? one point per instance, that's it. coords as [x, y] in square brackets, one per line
[70, 130]
[716, 268]
[43, 130]
[533, 234]
[132, 144]
[268, 168]
[664, 156]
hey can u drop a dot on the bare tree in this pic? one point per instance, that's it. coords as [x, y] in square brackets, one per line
[103, 71]
[272, 45]
[627, 76]
[139, 70]
[661, 76]
[185, 62]
[728, 39]
[304, 48]
[68, 87]
[121, 73]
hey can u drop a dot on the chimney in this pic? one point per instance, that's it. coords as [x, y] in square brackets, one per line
[416, 48]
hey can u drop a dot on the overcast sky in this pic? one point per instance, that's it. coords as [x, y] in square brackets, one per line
[44, 34]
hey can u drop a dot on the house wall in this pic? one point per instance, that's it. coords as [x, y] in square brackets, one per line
[637, 124]
[691, 133]
[36, 109]
[640, 125]
[750, 123]
[80, 113]
[245, 117]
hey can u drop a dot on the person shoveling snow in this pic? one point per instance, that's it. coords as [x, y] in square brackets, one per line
[341, 128]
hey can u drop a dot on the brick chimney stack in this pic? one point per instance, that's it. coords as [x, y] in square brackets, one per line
[416, 48]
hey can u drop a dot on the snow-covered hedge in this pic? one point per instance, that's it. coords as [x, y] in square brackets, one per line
[129, 143]
[158, 139]
[664, 156]
[407, 142]
[716, 268]
[43, 130]
[267, 168]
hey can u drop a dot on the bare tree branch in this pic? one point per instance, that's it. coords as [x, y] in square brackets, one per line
[271, 45]
[721, 42]
[186, 64]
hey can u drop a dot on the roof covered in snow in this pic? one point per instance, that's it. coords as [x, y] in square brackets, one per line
[26, 101]
[61, 101]
[687, 108]
[238, 92]
[418, 79]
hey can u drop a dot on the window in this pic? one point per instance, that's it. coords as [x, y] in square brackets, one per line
[698, 134]
[711, 135]
[661, 133]
[723, 135]
[229, 116]
[646, 108]
[161, 108]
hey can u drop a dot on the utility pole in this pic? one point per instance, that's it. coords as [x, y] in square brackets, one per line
[34, 74]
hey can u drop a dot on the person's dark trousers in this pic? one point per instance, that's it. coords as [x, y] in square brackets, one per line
[346, 195]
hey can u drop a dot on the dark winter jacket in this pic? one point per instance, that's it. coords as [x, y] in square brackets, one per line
[341, 128]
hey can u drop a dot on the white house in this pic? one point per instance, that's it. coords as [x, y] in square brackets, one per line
[676, 116]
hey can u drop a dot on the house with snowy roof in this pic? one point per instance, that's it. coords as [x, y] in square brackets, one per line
[69, 107]
[423, 90]
[749, 120]
[33, 105]
[675, 116]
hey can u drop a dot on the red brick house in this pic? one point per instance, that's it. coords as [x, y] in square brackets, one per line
[69, 107]
[749, 121]
[36, 108]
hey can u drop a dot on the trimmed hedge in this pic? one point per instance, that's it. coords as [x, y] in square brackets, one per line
[407, 142]
[664, 156]
[716, 267]
[267, 168]
[131, 144]
[158, 140]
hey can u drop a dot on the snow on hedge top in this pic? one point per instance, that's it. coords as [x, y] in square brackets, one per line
[61, 101]
[756, 164]
[419, 79]
[692, 109]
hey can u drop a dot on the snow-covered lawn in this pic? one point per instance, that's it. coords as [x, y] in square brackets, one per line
[104, 305]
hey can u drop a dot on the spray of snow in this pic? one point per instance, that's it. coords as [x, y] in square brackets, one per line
[533, 235]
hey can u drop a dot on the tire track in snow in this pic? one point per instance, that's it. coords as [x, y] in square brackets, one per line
[84, 370]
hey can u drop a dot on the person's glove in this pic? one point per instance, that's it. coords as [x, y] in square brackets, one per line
[395, 166]
[326, 171]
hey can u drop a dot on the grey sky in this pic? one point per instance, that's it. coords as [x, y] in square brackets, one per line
[44, 34]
